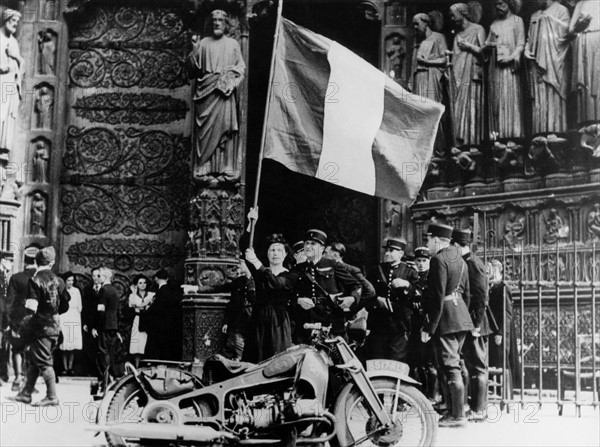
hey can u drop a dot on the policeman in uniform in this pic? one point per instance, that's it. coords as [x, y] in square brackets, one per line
[337, 251]
[326, 292]
[390, 311]
[475, 349]
[298, 249]
[447, 318]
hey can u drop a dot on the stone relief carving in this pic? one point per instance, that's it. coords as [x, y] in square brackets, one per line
[590, 139]
[593, 222]
[125, 153]
[123, 209]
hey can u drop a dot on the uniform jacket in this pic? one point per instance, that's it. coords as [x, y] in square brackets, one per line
[18, 290]
[109, 319]
[381, 320]
[335, 278]
[367, 291]
[52, 298]
[478, 286]
[239, 309]
[448, 273]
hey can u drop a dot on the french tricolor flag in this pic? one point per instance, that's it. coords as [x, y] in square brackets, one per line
[334, 116]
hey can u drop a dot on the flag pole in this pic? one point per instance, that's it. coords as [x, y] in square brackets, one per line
[264, 128]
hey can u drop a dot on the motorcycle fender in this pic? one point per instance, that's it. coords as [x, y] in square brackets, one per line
[394, 374]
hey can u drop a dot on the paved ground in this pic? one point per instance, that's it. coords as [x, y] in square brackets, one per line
[27, 426]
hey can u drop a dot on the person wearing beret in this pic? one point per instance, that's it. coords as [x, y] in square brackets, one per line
[447, 317]
[18, 287]
[318, 276]
[390, 312]
[46, 299]
[475, 348]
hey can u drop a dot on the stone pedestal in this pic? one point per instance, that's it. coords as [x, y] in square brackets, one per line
[202, 321]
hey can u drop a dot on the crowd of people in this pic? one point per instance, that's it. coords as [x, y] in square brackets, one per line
[46, 317]
[433, 309]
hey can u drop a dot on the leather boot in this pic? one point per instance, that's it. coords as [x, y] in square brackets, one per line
[50, 380]
[478, 392]
[433, 388]
[457, 394]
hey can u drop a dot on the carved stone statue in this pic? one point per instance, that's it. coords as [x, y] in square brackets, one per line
[214, 238]
[555, 228]
[219, 68]
[514, 229]
[231, 242]
[38, 215]
[593, 222]
[546, 52]
[507, 41]
[467, 69]
[585, 23]
[509, 156]
[44, 105]
[466, 160]
[11, 189]
[395, 52]
[429, 62]
[47, 52]
[11, 68]
[540, 155]
[41, 158]
[590, 139]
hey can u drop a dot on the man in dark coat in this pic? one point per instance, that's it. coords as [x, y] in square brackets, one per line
[337, 251]
[106, 328]
[326, 291]
[18, 289]
[91, 295]
[164, 312]
[475, 348]
[47, 298]
[390, 312]
[448, 318]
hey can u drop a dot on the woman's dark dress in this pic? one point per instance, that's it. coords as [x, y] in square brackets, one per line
[270, 330]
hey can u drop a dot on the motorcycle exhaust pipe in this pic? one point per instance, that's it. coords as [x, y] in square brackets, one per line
[165, 432]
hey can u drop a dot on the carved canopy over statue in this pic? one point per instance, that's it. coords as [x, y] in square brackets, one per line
[219, 67]
[11, 67]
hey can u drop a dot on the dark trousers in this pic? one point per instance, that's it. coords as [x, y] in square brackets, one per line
[475, 353]
[90, 354]
[448, 348]
[387, 346]
[4, 357]
[107, 355]
[41, 361]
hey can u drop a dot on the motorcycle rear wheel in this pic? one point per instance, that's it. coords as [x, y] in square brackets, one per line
[127, 405]
[416, 417]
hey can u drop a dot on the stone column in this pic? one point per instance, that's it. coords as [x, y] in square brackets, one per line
[216, 207]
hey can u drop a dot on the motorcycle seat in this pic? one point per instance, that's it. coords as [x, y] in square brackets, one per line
[233, 366]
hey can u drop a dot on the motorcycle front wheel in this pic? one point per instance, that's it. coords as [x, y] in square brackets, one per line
[414, 419]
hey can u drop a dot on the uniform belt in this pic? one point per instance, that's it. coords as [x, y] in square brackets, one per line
[454, 296]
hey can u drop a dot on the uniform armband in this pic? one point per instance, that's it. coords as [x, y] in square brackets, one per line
[31, 304]
[101, 308]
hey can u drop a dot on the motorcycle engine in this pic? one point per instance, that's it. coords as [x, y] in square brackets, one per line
[257, 412]
[263, 411]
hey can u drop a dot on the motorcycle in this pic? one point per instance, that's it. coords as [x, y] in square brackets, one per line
[309, 394]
